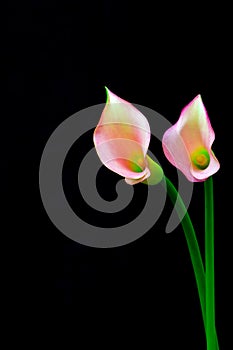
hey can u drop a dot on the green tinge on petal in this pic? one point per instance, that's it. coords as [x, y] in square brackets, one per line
[156, 172]
[137, 163]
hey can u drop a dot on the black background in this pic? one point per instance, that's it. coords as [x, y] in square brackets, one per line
[62, 53]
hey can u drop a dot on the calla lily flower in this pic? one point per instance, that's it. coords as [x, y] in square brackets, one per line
[187, 144]
[122, 138]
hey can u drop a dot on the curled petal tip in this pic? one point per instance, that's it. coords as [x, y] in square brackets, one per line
[113, 98]
[107, 94]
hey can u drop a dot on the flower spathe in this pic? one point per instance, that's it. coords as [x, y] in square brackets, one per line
[122, 138]
[187, 144]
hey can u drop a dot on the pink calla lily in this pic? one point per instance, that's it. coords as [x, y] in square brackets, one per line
[187, 144]
[122, 138]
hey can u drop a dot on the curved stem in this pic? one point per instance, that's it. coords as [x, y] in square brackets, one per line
[193, 247]
[191, 239]
[209, 263]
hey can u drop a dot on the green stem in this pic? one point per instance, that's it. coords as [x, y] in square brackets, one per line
[193, 247]
[191, 239]
[209, 264]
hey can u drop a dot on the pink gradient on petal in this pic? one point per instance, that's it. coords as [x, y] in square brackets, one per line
[120, 119]
[122, 138]
[176, 152]
[121, 156]
[194, 125]
[191, 132]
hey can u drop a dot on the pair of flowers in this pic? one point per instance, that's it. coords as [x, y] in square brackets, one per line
[122, 138]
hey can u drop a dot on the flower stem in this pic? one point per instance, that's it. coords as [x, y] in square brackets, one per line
[209, 264]
[191, 239]
[194, 250]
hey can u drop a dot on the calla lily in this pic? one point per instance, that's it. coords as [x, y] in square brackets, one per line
[187, 144]
[122, 138]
